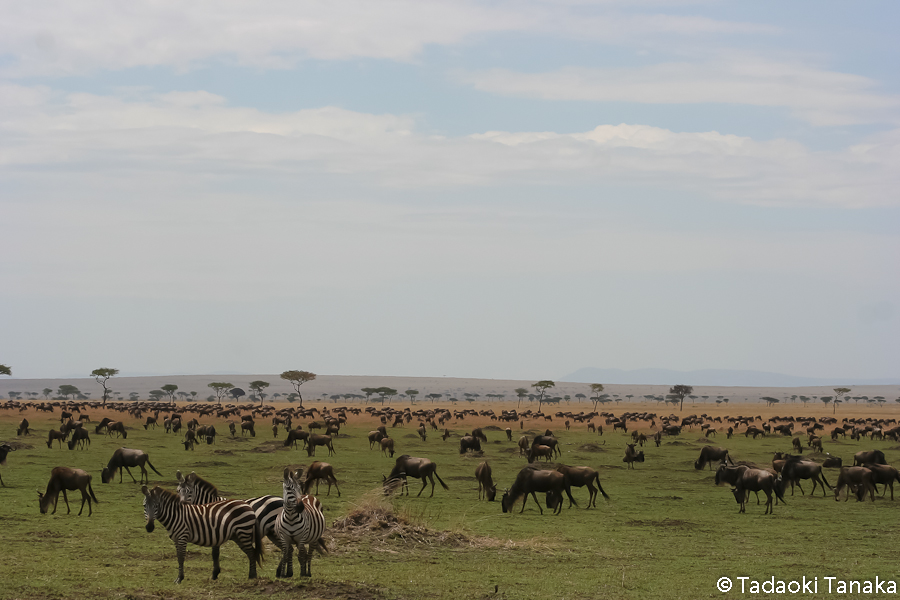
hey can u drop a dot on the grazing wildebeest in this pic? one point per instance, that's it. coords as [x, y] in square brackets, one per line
[796, 469]
[124, 458]
[508, 434]
[833, 462]
[838, 431]
[711, 454]
[445, 435]
[486, 486]
[294, 435]
[4, 450]
[523, 445]
[632, 456]
[657, 438]
[816, 444]
[387, 445]
[102, 424]
[547, 440]
[318, 440]
[468, 442]
[375, 437]
[479, 434]
[23, 428]
[320, 471]
[872, 456]
[210, 524]
[207, 432]
[57, 436]
[885, 475]
[150, 421]
[248, 426]
[857, 479]
[745, 479]
[538, 451]
[232, 428]
[117, 427]
[754, 431]
[531, 480]
[80, 437]
[411, 466]
[798, 446]
[66, 478]
[421, 431]
[584, 476]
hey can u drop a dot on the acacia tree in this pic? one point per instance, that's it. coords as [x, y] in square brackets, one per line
[67, 390]
[680, 391]
[220, 389]
[237, 393]
[521, 393]
[4, 370]
[412, 395]
[542, 387]
[170, 389]
[298, 378]
[840, 391]
[596, 390]
[103, 376]
[385, 393]
[258, 387]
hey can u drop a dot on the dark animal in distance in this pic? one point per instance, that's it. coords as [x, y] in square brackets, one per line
[885, 475]
[584, 476]
[745, 479]
[855, 478]
[125, 458]
[795, 469]
[710, 454]
[418, 468]
[319, 440]
[387, 445]
[117, 427]
[320, 471]
[4, 450]
[871, 456]
[80, 437]
[486, 486]
[55, 436]
[67, 478]
[632, 456]
[469, 442]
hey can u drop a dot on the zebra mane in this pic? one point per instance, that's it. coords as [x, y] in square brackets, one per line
[166, 495]
[201, 483]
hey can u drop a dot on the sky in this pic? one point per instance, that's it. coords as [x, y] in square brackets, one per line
[449, 188]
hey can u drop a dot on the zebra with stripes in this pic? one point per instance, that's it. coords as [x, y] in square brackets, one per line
[301, 522]
[193, 489]
[204, 525]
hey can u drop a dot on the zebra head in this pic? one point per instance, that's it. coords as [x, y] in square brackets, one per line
[292, 490]
[151, 504]
[185, 490]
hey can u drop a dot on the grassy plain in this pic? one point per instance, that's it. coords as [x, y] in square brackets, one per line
[667, 531]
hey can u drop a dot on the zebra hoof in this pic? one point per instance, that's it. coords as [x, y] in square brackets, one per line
[216, 572]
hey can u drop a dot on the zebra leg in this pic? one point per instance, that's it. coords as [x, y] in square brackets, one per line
[216, 568]
[304, 558]
[180, 551]
[286, 565]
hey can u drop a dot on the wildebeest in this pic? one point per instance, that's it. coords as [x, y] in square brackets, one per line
[150, 421]
[387, 445]
[23, 428]
[531, 480]
[80, 437]
[4, 450]
[320, 471]
[632, 456]
[318, 440]
[745, 479]
[754, 431]
[508, 434]
[207, 432]
[117, 427]
[547, 440]
[711, 454]
[855, 478]
[294, 435]
[248, 426]
[885, 475]
[832, 462]
[375, 437]
[523, 445]
[486, 486]
[797, 445]
[55, 436]
[538, 451]
[124, 458]
[872, 456]
[421, 431]
[816, 444]
[411, 466]
[469, 442]
[67, 478]
[584, 476]
[479, 434]
[796, 469]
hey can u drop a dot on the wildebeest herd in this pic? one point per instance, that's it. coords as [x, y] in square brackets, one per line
[196, 513]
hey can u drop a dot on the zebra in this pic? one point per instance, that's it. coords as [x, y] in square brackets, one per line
[301, 522]
[193, 489]
[205, 525]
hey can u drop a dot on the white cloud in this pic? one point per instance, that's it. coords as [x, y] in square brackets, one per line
[53, 38]
[814, 95]
[199, 133]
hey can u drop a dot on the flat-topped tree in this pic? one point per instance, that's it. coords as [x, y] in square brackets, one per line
[170, 389]
[298, 378]
[840, 391]
[258, 387]
[521, 393]
[103, 376]
[412, 395]
[680, 391]
[596, 390]
[4, 370]
[68, 390]
[542, 387]
[220, 389]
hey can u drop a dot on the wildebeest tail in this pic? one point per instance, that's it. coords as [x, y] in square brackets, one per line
[829, 485]
[444, 485]
[154, 468]
[600, 487]
[91, 492]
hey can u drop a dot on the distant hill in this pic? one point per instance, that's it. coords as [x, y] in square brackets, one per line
[711, 377]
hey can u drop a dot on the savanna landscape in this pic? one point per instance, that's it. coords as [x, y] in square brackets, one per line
[666, 530]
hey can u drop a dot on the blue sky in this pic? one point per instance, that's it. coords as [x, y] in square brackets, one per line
[474, 189]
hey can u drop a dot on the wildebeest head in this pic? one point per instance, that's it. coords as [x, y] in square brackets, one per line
[106, 475]
[739, 495]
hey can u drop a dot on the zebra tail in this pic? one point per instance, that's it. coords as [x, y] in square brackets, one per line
[258, 544]
[154, 468]
[444, 485]
[321, 546]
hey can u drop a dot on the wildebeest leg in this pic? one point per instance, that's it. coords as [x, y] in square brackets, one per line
[216, 568]
[84, 497]
[132, 476]
[144, 474]
[533, 495]
[801, 489]
[592, 496]
[66, 498]
[770, 509]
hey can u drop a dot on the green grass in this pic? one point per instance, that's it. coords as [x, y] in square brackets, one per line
[667, 531]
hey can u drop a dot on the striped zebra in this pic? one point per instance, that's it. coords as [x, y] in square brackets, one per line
[301, 522]
[205, 525]
[193, 489]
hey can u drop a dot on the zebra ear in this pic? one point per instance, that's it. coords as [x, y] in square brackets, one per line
[179, 476]
[287, 473]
